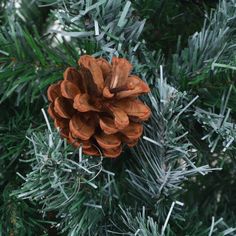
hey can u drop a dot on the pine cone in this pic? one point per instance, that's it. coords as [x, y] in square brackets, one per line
[97, 106]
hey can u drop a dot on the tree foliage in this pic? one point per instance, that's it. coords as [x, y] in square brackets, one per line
[179, 179]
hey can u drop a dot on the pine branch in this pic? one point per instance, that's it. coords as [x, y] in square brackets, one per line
[18, 217]
[165, 158]
[14, 126]
[143, 225]
[218, 127]
[137, 225]
[32, 16]
[112, 24]
[117, 33]
[166, 20]
[76, 187]
[215, 43]
[20, 50]
[2, 11]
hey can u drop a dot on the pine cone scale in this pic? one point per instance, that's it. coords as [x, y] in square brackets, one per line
[133, 131]
[89, 63]
[63, 107]
[135, 87]
[113, 152]
[92, 151]
[52, 112]
[107, 141]
[69, 89]
[75, 77]
[78, 142]
[121, 118]
[82, 104]
[120, 71]
[105, 67]
[107, 125]
[54, 92]
[80, 128]
[134, 108]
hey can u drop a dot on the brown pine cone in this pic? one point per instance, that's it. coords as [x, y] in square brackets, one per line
[97, 106]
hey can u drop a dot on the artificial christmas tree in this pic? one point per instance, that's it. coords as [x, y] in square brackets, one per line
[178, 179]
